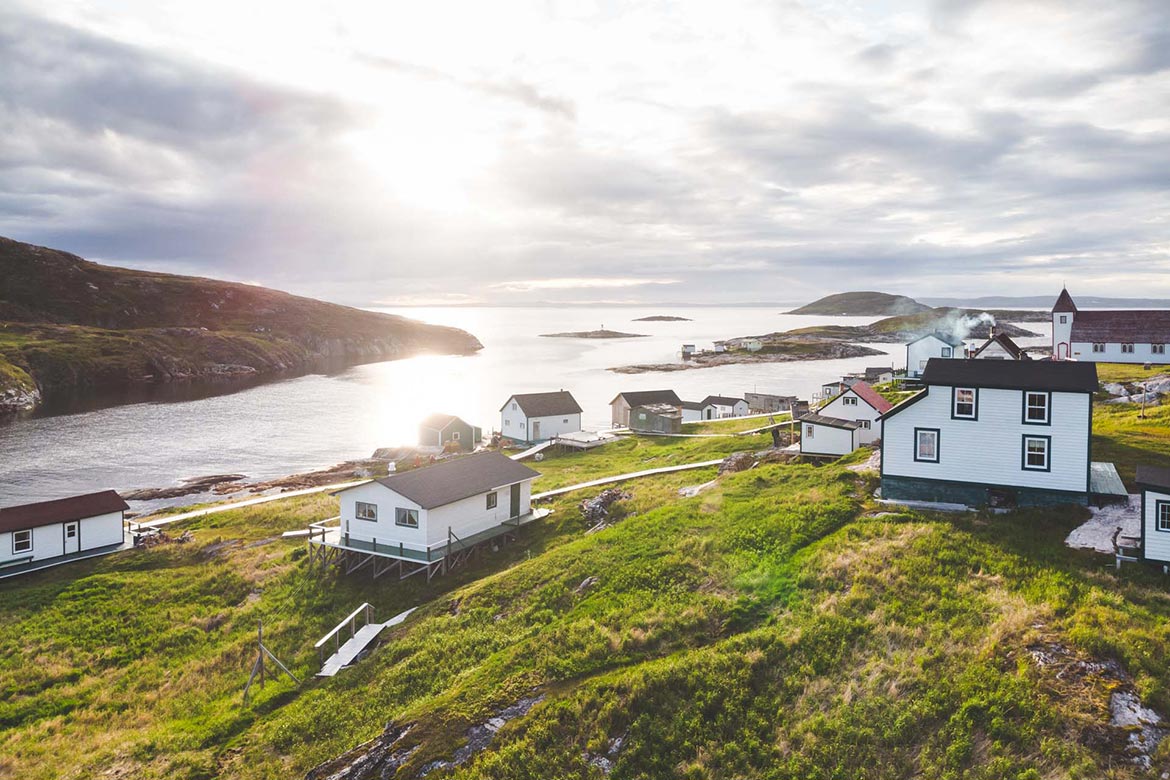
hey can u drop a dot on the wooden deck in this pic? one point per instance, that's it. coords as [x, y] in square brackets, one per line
[1105, 483]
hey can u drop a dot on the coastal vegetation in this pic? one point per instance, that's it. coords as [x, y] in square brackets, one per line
[862, 304]
[67, 323]
[775, 348]
[779, 624]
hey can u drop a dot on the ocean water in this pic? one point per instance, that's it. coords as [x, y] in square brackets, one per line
[317, 420]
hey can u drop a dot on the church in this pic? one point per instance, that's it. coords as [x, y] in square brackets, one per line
[1107, 336]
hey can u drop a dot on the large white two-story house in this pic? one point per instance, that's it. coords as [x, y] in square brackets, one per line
[1109, 336]
[992, 432]
[529, 418]
[932, 345]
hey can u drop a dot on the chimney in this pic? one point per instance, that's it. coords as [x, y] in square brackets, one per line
[991, 330]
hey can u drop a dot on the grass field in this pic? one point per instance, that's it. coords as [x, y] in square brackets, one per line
[778, 625]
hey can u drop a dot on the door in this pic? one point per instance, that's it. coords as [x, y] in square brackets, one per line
[72, 538]
[536, 430]
[514, 509]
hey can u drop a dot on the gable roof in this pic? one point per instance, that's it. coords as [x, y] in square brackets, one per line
[1064, 302]
[1136, 327]
[870, 396]
[1052, 375]
[721, 400]
[1153, 477]
[830, 422]
[1009, 346]
[693, 405]
[945, 338]
[451, 480]
[872, 372]
[644, 397]
[437, 422]
[61, 510]
[546, 404]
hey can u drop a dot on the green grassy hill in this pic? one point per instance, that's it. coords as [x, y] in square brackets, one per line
[778, 625]
[66, 322]
[862, 304]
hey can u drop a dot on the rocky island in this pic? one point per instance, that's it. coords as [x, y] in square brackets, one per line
[593, 334]
[67, 324]
[663, 318]
[774, 348]
[879, 304]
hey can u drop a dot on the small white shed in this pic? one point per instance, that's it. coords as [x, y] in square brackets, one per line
[820, 435]
[48, 531]
[1155, 486]
[530, 418]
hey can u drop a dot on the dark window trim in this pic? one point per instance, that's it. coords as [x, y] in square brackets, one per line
[937, 445]
[1024, 452]
[493, 500]
[1157, 349]
[358, 515]
[398, 514]
[30, 541]
[1047, 407]
[954, 397]
[1158, 504]
[1097, 344]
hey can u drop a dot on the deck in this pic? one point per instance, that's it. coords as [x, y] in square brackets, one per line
[1105, 483]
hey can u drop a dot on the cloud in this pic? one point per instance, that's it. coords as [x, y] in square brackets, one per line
[529, 285]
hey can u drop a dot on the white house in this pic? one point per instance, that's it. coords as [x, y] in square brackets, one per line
[999, 347]
[717, 407]
[821, 435]
[692, 411]
[420, 510]
[862, 405]
[995, 433]
[622, 403]
[932, 345]
[529, 418]
[1108, 336]
[75, 527]
[1155, 486]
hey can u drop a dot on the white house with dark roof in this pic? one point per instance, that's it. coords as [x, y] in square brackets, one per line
[34, 535]
[863, 405]
[1109, 336]
[933, 345]
[999, 347]
[1154, 484]
[414, 514]
[530, 418]
[717, 407]
[692, 411]
[822, 435]
[993, 433]
[622, 403]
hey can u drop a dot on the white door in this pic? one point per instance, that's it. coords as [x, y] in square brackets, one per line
[536, 431]
[72, 538]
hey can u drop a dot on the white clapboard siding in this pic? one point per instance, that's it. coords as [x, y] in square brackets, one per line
[826, 440]
[384, 530]
[1157, 545]
[471, 515]
[859, 412]
[1142, 353]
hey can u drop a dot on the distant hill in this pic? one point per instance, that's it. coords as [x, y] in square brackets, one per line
[66, 322]
[963, 323]
[862, 304]
[1046, 301]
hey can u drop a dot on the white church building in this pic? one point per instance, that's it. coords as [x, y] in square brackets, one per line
[1108, 336]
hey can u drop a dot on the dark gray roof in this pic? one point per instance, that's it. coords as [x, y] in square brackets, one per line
[721, 400]
[1064, 303]
[831, 422]
[1009, 346]
[61, 510]
[693, 405]
[643, 397]
[546, 404]
[1054, 375]
[945, 338]
[1153, 477]
[1122, 327]
[451, 480]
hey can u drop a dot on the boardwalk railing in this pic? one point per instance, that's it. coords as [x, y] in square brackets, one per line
[335, 634]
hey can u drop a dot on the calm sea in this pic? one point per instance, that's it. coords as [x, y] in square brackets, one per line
[317, 420]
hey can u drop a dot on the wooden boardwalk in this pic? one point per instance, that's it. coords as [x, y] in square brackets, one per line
[624, 477]
[354, 646]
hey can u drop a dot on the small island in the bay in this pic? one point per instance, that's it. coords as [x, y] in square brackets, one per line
[594, 334]
[879, 304]
[772, 348]
[662, 318]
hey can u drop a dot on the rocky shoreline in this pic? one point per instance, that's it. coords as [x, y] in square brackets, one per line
[594, 334]
[784, 351]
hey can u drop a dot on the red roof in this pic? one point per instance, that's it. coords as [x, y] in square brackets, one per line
[1129, 327]
[62, 510]
[871, 397]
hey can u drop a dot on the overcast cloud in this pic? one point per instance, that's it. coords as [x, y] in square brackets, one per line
[576, 151]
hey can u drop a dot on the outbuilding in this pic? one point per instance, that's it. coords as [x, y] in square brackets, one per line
[530, 418]
[656, 418]
[820, 435]
[1154, 483]
[622, 403]
[66, 528]
[440, 430]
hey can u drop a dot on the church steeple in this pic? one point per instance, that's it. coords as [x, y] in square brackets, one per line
[1064, 303]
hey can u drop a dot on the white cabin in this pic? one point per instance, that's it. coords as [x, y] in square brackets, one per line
[531, 418]
[821, 435]
[718, 407]
[1154, 484]
[422, 509]
[692, 411]
[932, 345]
[998, 433]
[1109, 336]
[862, 405]
[75, 527]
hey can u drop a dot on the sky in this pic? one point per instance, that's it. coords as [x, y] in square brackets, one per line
[575, 151]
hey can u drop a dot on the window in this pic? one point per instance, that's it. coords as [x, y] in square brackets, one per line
[1162, 515]
[849, 401]
[21, 541]
[808, 431]
[948, 352]
[513, 406]
[406, 517]
[364, 511]
[864, 424]
[566, 420]
[1127, 349]
[921, 365]
[1064, 319]
[454, 435]
[1098, 347]
[507, 421]
[926, 445]
[70, 531]
[964, 403]
[1036, 408]
[492, 500]
[1036, 455]
[1158, 349]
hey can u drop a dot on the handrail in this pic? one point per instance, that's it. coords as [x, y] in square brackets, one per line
[352, 616]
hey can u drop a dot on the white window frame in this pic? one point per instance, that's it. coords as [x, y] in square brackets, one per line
[1157, 349]
[864, 424]
[405, 517]
[22, 541]
[849, 400]
[808, 431]
[1162, 516]
[1127, 349]
[454, 435]
[360, 511]
[1098, 347]
[1028, 395]
[1027, 466]
[948, 352]
[918, 434]
[974, 415]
